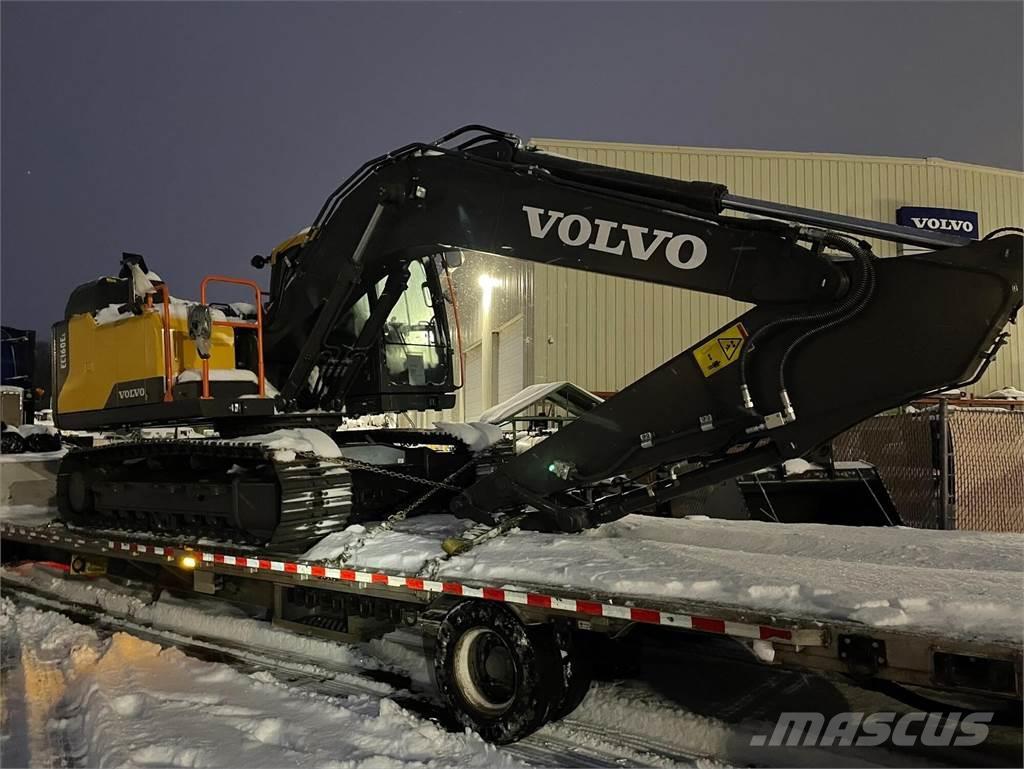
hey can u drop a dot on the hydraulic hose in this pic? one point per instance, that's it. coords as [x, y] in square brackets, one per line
[849, 306]
[1001, 230]
[857, 300]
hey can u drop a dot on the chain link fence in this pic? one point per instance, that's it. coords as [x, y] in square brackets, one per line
[977, 483]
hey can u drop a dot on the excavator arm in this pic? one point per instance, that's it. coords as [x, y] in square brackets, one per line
[836, 335]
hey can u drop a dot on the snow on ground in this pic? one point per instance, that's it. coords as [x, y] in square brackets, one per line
[187, 618]
[126, 702]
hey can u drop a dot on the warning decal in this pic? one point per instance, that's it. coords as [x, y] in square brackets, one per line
[721, 350]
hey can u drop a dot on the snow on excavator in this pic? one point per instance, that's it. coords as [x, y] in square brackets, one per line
[355, 323]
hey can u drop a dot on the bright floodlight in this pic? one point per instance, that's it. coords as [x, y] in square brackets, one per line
[489, 281]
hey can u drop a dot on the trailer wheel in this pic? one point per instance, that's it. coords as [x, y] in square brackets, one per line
[501, 678]
[577, 670]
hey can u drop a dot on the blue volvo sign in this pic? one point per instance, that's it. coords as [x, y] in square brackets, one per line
[951, 220]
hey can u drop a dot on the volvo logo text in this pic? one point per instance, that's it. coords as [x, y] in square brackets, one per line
[932, 223]
[687, 252]
[133, 392]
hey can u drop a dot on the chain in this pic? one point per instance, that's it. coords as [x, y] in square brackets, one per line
[388, 523]
[355, 463]
[483, 534]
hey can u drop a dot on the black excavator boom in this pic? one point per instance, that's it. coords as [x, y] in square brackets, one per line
[836, 334]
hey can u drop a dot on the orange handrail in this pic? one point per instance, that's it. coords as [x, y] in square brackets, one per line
[168, 359]
[261, 382]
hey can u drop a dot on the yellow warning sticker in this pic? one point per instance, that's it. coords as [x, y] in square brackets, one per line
[721, 350]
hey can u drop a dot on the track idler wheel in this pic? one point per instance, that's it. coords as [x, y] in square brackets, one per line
[79, 494]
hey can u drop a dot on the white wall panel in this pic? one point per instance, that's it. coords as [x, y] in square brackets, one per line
[472, 389]
[510, 359]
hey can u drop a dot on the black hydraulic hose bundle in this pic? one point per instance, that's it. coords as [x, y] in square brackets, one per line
[852, 303]
[367, 168]
[1001, 230]
[857, 301]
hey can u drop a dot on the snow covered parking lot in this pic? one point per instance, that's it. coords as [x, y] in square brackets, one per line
[123, 701]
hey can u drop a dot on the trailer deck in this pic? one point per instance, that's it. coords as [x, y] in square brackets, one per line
[591, 584]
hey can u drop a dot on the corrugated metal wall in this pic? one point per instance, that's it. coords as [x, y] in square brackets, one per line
[604, 333]
[509, 296]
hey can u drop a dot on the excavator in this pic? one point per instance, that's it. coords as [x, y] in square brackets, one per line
[355, 323]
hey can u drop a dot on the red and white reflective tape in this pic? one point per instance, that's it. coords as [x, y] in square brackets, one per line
[58, 535]
[571, 605]
[706, 624]
[136, 547]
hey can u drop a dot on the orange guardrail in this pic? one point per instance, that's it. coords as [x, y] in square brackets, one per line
[258, 325]
[168, 360]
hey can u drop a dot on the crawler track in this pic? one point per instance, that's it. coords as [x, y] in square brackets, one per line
[241, 492]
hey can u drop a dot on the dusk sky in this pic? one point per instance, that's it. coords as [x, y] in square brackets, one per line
[200, 134]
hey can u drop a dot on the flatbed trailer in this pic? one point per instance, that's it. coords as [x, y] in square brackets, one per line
[509, 659]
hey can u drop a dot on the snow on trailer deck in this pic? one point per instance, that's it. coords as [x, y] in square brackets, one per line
[962, 585]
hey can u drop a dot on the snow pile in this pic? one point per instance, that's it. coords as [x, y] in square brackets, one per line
[478, 436]
[227, 375]
[127, 702]
[244, 309]
[27, 515]
[219, 375]
[406, 548]
[27, 430]
[1009, 393]
[114, 313]
[800, 466]
[964, 583]
[527, 397]
[194, 617]
[32, 456]
[369, 421]
[300, 440]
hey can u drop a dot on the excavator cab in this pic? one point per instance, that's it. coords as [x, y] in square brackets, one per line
[389, 351]
[410, 365]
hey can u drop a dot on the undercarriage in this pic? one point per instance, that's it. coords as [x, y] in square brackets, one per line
[248, 493]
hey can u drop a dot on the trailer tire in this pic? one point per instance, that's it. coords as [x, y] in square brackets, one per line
[577, 670]
[501, 678]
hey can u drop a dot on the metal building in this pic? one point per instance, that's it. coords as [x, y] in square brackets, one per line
[523, 323]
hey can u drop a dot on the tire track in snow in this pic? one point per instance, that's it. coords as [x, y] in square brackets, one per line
[557, 746]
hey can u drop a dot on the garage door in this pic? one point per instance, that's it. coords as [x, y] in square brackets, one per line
[472, 390]
[510, 360]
